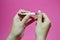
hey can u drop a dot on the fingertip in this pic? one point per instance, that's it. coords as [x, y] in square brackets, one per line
[44, 15]
[46, 18]
[19, 11]
[39, 12]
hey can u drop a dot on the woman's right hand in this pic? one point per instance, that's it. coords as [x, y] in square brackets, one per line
[43, 25]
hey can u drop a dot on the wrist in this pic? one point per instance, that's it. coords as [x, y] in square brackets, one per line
[11, 37]
[40, 38]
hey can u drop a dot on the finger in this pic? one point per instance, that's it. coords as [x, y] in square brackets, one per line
[23, 11]
[31, 21]
[46, 19]
[39, 18]
[20, 12]
[17, 18]
[26, 18]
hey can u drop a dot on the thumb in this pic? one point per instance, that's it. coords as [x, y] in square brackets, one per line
[39, 17]
[26, 18]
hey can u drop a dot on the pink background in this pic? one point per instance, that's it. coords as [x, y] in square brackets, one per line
[8, 9]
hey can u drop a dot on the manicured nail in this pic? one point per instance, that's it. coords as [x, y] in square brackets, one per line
[39, 11]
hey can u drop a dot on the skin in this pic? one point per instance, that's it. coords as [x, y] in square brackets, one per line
[42, 27]
[18, 26]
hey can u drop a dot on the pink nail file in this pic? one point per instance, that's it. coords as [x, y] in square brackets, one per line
[31, 13]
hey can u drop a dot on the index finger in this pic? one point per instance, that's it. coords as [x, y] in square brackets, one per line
[46, 19]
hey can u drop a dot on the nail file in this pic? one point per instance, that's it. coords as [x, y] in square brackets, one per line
[32, 13]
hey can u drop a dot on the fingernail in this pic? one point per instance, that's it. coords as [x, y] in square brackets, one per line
[39, 11]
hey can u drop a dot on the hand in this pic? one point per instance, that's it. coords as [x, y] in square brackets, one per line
[43, 25]
[18, 26]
